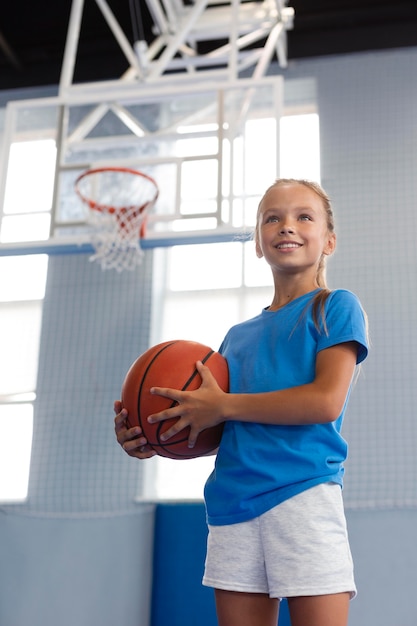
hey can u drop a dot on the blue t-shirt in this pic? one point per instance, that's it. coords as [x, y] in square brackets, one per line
[260, 465]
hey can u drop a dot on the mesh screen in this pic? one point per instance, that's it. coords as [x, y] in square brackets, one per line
[95, 324]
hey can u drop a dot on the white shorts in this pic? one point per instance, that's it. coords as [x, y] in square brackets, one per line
[298, 548]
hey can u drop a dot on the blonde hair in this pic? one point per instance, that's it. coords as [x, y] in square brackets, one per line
[320, 298]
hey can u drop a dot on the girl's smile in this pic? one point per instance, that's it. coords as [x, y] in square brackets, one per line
[288, 245]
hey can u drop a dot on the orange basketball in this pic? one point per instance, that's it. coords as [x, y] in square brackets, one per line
[171, 364]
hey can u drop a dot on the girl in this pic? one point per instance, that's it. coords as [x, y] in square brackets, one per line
[274, 506]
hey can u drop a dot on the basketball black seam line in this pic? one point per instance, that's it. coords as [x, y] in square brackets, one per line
[143, 382]
[167, 445]
[184, 387]
[195, 372]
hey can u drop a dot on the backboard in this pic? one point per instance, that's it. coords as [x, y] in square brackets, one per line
[211, 148]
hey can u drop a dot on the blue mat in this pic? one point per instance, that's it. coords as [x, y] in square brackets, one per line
[178, 597]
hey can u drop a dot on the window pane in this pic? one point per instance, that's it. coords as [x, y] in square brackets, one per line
[30, 176]
[19, 346]
[25, 227]
[260, 155]
[181, 480]
[257, 272]
[206, 266]
[203, 317]
[15, 450]
[199, 180]
[300, 147]
[23, 277]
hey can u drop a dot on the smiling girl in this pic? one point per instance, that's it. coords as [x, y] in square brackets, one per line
[274, 504]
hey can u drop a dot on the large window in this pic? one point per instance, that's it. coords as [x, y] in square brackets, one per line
[218, 285]
[22, 288]
[26, 217]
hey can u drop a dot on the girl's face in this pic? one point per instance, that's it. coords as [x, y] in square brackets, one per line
[292, 233]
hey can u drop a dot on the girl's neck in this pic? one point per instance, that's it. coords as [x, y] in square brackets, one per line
[284, 296]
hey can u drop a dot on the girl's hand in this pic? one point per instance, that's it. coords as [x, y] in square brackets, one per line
[131, 439]
[198, 409]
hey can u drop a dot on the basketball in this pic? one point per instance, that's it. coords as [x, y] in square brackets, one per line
[171, 364]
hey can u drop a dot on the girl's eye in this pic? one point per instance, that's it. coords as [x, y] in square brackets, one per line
[305, 218]
[271, 218]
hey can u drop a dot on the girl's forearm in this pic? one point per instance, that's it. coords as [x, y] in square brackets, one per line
[296, 406]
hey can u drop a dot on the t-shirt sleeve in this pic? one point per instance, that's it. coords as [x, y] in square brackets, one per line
[345, 321]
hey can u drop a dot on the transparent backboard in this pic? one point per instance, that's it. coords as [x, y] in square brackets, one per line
[212, 151]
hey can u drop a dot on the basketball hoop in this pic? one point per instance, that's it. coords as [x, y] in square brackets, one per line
[118, 200]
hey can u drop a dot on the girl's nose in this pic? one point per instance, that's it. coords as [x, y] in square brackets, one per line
[286, 227]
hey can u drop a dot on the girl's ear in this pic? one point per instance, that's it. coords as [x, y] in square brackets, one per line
[330, 246]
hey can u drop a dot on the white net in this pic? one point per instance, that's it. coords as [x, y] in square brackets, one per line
[118, 201]
[116, 246]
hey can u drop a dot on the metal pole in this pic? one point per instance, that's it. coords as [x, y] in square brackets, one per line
[71, 44]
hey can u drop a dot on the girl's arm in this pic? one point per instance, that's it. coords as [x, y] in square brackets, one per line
[317, 402]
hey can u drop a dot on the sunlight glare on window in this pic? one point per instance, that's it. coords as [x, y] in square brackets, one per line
[203, 267]
[23, 277]
[30, 177]
[35, 227]
[15, 450]
[257, 273]
[22, 289]
[300, 147]
[260, 166]
[170, 483]
[19, 344]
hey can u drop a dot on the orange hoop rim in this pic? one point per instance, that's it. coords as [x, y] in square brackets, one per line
[120, 210]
